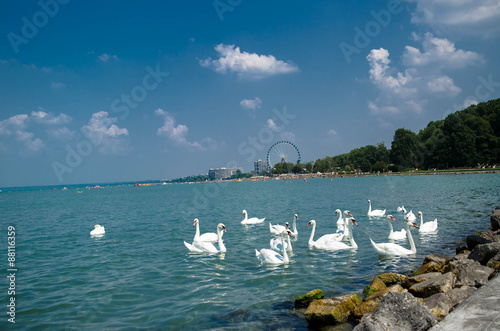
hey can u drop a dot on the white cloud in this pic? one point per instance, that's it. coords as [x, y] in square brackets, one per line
[106, 57]
[471, 17]
[44, 118]
[375, 109]
[57, 85]
[106, 135]
[271, 125]
[15, 126]
[251, 104]
[443, 84]
[178, 133]
[332, 132]
[247, 65]
[62, 133]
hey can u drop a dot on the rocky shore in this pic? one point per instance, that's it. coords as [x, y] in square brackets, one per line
[394, 301]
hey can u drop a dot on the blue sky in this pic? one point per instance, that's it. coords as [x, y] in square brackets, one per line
[127, 91]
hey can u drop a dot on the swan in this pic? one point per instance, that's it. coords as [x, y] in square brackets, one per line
[253, 220]
[97, 230]
[294, 231]
[394, 249]
[332, 245]
[395, 235]
[208, 237]
[340, 221]
[340, 234]
[268, 256]
[276, 229]
[428, 226]
[207, 247]
[277, 245]
[410, 216]
[376, 212]
[401, 209]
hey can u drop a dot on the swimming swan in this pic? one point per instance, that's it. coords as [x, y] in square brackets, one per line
[268, 256]
[208, 237]
[395, 235]
[277, 245]
[376, 212]
[427, 226]
[332, 245]
[207, 247]
[394, 249]
[294, 231]
[253, 220]
[276, 229]
[340, 234]
[97, 230]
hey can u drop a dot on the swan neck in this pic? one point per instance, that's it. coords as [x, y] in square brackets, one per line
[311, 241]
[351, 238]
[410, 239]
[197, 233]
[285, 255]
[422, 220]
[390, 227]
[289, 243]
[222, 248]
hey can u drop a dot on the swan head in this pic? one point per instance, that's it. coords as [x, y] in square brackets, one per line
[347, 212]
[419, 214]
[222, 227]
[296, 217]
[97, 226]
[311, 222]
[287, 225]
[337, 212]
[288, 232]
[196, 221]
[410, 223]
[369, 202]
[390, 218]
[244, 212]
[353, 221]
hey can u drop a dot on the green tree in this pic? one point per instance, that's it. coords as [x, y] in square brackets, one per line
[406, 149]
[366, 166]
[379, 166]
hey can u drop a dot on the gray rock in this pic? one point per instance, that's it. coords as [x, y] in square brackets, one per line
[470, 273]
[439, 304]
[495, 220]
[398, 311]
[331, 311]
[494, 262]
[458, 294]
[438, 284]
[473, 240]
[408, 282]
[483, 253]
[439, 259]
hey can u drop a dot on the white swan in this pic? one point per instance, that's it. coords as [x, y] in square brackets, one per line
[276, 229]
[428, 226]
[410, 216]
[207, 247]
[376, 212]
[209, 236]
[394, 249]
[294, 230]
[332, 245]
[277, 245]
[97, 230]
[253, 220]
[401, 209]
[340, 234]
[395, 235]
[340, 221]
[268, 256]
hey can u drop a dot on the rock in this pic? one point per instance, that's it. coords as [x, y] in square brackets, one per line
[461, 249]
[408, 282]
[437, 284]
[473, 240]
[462, 256]
[429, 267]
[483, 253]
[371, 303]
[494, 262]
[495, 220]
[438, 258]
[375, 285]
[391, 278]
[458, 294]
[439, 304]
[304, 300]
[398, 311]
[331, 311]
[470, 273]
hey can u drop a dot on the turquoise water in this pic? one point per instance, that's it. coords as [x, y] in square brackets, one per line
[140, 274]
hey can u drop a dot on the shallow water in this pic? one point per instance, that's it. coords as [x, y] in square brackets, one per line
[140, 274]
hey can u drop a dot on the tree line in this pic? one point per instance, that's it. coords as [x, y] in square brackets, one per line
[465, 138]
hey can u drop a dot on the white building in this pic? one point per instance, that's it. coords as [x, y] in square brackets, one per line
[222, 173]
[260, 166]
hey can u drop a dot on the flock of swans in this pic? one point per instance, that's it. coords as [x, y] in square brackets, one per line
[281, 245]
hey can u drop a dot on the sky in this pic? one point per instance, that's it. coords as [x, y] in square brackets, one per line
[111, 91]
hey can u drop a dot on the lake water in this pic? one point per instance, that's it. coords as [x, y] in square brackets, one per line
[140, 274]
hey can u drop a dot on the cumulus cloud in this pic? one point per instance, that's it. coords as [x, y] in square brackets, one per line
[247, 65]
[15, 126]
[408, 90]
[251, 104]
[106, 135]
[472, 17]
[332, 132]
[44, 118]
[178, 133]
[271, 125]
[106, 57]
[62, 133]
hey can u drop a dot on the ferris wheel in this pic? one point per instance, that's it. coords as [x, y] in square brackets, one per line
[281, 152]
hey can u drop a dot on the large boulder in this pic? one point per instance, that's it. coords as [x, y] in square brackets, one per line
[375, 285]
[410, 281]
[439, 304]
[391, 278]
[371, 303]
[458, 294]
[483, 253]
[306, 299]
[474, 239]
[470, 273]
[398, 311]
[438, 284]
[494, 262]
[495, 219]
[331, 311]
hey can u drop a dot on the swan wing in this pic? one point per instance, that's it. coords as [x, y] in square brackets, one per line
[269, 256]
[429, 227]
[209, 237]
[390, 249]
[398, 235]
[192, 248]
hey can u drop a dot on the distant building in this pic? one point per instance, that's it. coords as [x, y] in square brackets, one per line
[222, 173]
[260, 166]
